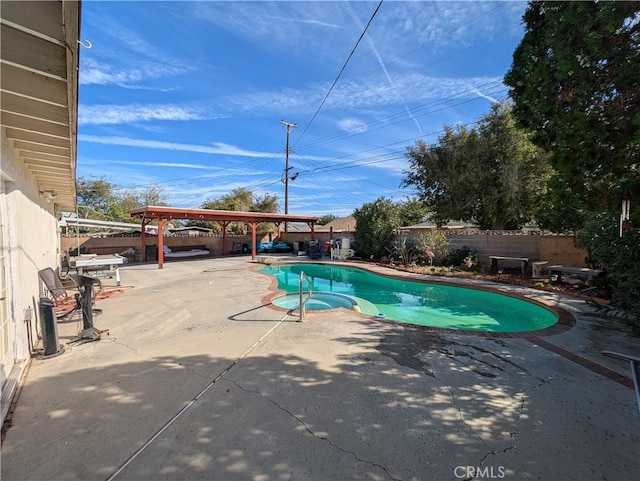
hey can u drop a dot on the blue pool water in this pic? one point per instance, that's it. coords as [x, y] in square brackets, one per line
[418, 303]
[318, 301]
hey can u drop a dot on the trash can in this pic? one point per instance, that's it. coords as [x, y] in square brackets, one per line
[151, 252]
[49, 328]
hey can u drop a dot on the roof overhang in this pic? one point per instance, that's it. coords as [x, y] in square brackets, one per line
[175, 213]
[39, 91]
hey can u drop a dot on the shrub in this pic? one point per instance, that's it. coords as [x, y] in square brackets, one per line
[405, 251]
[457, 257]
[620, 256]
[432, 244]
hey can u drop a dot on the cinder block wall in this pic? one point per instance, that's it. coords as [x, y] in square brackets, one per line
[560, 249]
[487, 245]
[119, 243]
[556, 249]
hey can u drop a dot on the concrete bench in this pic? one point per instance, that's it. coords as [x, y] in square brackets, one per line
[555, 272]
[493, 262]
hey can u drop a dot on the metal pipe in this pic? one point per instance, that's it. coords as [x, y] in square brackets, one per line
[302, 304]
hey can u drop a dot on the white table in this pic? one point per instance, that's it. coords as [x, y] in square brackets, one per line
[92, 262]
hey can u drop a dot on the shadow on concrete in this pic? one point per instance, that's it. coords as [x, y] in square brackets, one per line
[393, 403]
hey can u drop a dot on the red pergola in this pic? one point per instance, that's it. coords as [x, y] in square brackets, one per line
[222, 217]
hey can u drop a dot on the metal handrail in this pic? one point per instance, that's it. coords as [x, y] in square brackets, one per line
[302, 303]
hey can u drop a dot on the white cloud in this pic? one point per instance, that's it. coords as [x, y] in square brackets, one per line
[93, 72]
[125, 114]
[216, 149]
[367, 94]
[352, 125]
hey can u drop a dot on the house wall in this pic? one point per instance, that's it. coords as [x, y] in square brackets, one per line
[32, 242]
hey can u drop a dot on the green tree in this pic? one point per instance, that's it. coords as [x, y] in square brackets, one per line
[375, 225]
[619, 255]
[104, 200]
[265, 203]
[325, 219]
[239, 200]
[575, 82]
[557, 208]
[96, 198]
[412, 211]
[490, 174]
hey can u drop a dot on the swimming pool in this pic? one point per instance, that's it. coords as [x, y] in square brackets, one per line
[418, 303]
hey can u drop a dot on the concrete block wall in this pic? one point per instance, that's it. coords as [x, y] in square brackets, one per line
[487, 245]
[113, 244]
[555, 249]
[558, 249]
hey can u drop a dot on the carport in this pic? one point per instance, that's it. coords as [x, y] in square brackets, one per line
[223, 217]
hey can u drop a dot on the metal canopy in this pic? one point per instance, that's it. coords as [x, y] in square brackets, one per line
[39, 91]
[223, 217]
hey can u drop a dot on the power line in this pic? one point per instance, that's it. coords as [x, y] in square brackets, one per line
[340, 73]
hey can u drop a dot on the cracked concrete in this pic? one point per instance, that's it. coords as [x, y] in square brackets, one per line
[306, 427]
[199, 381]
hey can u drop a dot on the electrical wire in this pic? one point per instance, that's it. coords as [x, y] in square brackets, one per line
[398, 117]
[341, 71]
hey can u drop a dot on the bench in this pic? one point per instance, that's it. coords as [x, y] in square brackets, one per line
[555, 272]
[493, 262]
[179, 252]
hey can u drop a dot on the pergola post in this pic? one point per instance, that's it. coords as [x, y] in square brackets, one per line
[161, 224]
[143, 238]
[254, 226]
[224, 236]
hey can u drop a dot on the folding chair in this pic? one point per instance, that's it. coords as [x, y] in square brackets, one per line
[236, 248]
[64, 303]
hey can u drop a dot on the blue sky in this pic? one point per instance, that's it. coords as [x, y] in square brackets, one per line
[190, 95]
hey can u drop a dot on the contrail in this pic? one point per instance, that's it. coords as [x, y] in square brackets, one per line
[382, 65]
[484, 96]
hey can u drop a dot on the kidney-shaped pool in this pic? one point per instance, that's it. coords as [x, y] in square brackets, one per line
[418, 303]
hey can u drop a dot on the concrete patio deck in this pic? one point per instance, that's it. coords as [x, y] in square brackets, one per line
[198, 380]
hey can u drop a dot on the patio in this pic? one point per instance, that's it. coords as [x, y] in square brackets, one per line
[199, 380]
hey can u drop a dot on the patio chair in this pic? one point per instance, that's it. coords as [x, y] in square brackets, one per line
[314, 251]
[236, 248]
[64, 303]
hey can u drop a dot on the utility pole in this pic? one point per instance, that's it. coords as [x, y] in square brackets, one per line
[288, 126]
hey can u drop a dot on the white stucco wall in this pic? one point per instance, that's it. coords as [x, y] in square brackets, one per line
[32, 241]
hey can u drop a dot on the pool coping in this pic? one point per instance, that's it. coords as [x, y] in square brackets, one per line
[566, 319]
